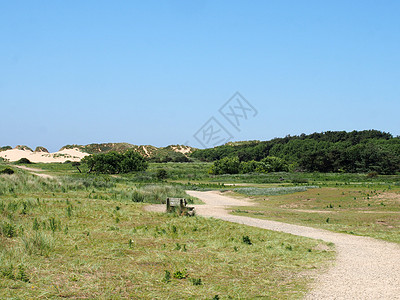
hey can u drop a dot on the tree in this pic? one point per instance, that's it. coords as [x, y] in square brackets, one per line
[227, 165]
[115, 163]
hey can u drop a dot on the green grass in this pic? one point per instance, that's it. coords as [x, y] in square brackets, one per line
[84, 236]
[253, 191]
[367, 211]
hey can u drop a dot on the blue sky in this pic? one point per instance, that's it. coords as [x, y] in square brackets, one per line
[153, 72]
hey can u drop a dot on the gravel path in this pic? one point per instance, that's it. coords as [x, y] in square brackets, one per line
[365, 268]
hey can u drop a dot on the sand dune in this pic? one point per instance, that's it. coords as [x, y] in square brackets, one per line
[43, 157]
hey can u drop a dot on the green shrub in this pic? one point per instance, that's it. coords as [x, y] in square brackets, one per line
[24, 160]
[180, 274]
[115, 163]
[161, 174]
[8, 230]
[7, 171]
[246, 240]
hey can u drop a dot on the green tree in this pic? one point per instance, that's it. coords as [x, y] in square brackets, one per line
[115, 163]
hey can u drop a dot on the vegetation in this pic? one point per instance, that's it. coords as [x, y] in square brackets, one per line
[23, 161]
[151, 153]
[115, 163]
[356, 151]
[7, 171]
[232, 165]
[367, 210]
[4, 148]
[83, 235]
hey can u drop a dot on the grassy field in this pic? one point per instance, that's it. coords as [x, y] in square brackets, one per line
[87, 236]
[368, 210]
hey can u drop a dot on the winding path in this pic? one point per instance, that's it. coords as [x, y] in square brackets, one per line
[366, 268]
[34, 171]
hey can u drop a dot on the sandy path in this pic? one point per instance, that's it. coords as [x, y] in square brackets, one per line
[365, 268]
[34, 171]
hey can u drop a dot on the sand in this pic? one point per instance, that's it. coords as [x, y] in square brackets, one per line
[43, 157]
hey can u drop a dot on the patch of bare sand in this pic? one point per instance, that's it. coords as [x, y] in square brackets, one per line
[43, 157]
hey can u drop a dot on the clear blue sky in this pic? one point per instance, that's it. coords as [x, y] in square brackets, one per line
[153, 72]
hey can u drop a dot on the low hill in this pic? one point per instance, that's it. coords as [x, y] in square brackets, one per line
[177, 153]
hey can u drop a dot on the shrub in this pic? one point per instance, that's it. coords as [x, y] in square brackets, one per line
[137, 196]
[161, 174]
[24, 160]
[115, 163]
[7, 171]
[246, 240]
[180, 274]
[373, 174]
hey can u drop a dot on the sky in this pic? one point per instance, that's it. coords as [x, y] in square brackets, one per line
[166, 72]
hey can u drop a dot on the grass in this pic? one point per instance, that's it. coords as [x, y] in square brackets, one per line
[252, 191]
[84, 236]
[368, 211]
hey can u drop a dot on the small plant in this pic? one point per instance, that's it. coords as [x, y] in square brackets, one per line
[53, 224]
[69, 211]
[167, 276]
[24, 207]
[36, 225]
[216, 297]
[8, 272]
[137, 197]
[8, 230]
[38, 243]
[246, 240]
[21, 275]
[174, 229]
[289, 247]
[327, 220]
[196, 281]
[130, 243]
[180, 274]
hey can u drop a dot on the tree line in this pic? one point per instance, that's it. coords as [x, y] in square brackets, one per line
[332, 151]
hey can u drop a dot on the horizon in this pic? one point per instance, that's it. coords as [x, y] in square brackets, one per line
[164, 73]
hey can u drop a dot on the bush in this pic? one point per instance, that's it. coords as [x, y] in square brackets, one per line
[7, 171]
[24, 160]
[115, 163]
[161, 174]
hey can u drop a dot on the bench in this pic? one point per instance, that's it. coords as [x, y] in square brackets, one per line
[179, 205]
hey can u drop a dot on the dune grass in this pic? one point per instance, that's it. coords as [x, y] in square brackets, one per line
[88, 238]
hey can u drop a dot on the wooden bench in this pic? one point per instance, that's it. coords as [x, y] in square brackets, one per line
[179, 205]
